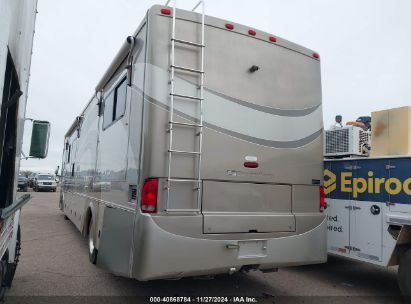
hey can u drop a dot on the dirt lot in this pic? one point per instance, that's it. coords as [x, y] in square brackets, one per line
[54, 262]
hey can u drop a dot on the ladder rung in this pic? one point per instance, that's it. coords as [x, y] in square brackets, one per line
[184, 152]
[188, 42]
[185, 124]
[187, 96]
[182, 210]
[177, 67]
[183, 180]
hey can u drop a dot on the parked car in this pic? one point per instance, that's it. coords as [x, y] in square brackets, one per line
[22, 183]
[44, 182]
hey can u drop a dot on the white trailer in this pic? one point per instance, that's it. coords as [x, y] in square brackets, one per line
[369, 211]
[17, 20]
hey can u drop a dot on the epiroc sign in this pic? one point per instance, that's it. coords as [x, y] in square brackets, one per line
[379, 180]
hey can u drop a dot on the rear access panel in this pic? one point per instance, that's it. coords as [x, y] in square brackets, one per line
[246, 208]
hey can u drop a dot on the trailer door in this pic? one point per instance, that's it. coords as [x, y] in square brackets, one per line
[338, 207]
[366, 213]
[399, 168]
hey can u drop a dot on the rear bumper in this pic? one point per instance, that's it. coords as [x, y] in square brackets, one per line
[160, 254]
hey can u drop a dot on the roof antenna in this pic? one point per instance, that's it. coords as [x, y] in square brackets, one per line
[338, 121]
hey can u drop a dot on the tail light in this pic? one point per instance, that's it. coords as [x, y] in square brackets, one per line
[149, 196]
[316, 55]
[322, 199]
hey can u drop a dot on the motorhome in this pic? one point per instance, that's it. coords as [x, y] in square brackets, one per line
[199, 153]
[17, 21]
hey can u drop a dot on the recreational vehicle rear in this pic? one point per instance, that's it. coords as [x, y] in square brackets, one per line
[200, 152]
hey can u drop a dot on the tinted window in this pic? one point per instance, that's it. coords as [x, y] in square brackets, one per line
[115, 104]
[108, 110]
[45, 177]
[121, 95]
[68, 155]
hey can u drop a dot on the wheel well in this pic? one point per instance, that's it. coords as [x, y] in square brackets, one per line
[402, 245]
[89, 215]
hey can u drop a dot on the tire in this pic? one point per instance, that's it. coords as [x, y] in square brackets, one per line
[404, 273]
[25, 189]
[3, 283]
[92, 251]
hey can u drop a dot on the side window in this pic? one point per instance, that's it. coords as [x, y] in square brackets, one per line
[108, 110]
[68, 154]
[121, 95]
[115, 104]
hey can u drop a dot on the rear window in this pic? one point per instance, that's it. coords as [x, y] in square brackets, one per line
[45, 177]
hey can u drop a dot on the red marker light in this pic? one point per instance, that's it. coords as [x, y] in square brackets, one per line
[251, 165]
[252, 32]
[322, 199]
[229, 26]
[316, 55]
[165, 11]
[272, 39]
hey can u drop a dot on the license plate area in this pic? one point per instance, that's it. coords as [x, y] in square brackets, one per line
[252, 249]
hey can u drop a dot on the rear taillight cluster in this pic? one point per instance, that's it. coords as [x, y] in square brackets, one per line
[149, 196]
[322, 199]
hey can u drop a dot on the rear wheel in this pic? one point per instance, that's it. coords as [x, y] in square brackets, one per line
[92, 251]
[3, 283]
[404, 273]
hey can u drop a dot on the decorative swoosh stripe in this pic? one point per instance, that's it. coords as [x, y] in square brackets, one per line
[258, 124]
[270, 143]
[262, 142]
[270, 110]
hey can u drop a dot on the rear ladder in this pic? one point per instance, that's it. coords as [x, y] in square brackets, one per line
[198, 122]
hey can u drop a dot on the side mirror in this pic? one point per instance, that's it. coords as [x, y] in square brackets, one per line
[40, 136]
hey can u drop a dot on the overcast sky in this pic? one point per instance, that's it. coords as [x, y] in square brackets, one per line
[365, 49]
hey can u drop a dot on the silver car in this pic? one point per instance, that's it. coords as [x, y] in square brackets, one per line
[45, 182]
